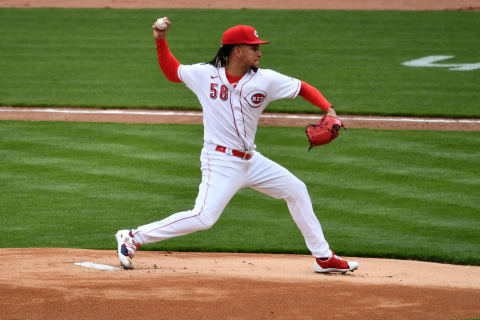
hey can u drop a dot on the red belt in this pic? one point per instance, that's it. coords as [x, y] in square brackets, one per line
[236, 153]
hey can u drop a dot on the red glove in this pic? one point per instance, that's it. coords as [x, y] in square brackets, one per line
[324, 131]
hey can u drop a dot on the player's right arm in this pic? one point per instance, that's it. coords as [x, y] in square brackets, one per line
[168, 63]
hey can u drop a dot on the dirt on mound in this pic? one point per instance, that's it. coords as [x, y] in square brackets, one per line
[47, 284]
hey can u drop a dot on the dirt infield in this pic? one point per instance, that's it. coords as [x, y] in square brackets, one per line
[46, 283]
[254, 4]
[267, 119]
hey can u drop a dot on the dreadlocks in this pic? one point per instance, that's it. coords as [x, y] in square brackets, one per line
[221, 59]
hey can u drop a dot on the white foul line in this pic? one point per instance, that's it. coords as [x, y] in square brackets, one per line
[199, 114]
[126, 112]
[376, 119]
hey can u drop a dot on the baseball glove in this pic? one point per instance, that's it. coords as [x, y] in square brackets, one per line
[324, 131]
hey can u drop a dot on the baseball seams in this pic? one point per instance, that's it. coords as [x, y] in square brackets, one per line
[160, 24]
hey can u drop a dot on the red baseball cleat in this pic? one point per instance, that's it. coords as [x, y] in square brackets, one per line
[334, 264]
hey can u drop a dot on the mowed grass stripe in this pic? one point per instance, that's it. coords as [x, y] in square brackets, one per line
[74, 184]
[107, 58]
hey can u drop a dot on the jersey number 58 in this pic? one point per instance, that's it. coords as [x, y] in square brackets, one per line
[214, 91]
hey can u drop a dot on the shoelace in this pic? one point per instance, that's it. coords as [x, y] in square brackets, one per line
[337, 257]
[130, 246]
[333, 256]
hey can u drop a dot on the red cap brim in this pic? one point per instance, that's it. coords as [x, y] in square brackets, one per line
[248, 42]
[257, 42]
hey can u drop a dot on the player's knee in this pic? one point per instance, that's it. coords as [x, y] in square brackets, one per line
[205, 225]
[207, 220]
[297, 189]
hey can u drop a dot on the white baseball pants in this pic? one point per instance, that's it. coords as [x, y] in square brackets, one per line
[222, 176]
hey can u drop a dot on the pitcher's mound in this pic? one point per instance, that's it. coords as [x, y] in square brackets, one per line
[47, 284]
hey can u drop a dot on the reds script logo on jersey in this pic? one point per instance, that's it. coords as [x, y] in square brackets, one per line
[255, 98]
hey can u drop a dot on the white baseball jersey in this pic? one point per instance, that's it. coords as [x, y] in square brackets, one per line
[231, 114]
[230, 117]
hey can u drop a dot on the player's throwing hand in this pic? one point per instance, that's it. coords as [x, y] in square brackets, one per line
[159, 30]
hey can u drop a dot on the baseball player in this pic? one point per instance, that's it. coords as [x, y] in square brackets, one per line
[233, 92]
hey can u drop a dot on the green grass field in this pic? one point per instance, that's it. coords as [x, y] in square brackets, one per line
[106, 57]
[399, 194]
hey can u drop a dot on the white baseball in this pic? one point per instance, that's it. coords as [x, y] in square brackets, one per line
[160, 24]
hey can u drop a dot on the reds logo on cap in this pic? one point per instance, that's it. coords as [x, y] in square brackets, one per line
[255, 98]
[241, 34]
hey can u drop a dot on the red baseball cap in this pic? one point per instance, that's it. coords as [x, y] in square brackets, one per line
[241, 34]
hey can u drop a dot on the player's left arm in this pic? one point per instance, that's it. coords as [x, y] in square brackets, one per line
[315, 97]
[327, 129]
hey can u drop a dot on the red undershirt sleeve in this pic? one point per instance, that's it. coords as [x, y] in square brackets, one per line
[168, 63]
[315, 97]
